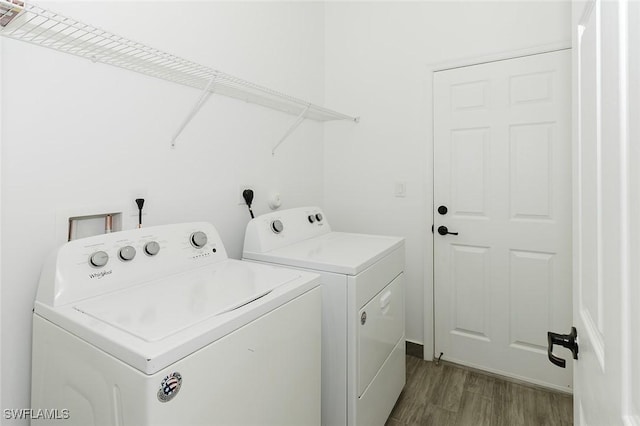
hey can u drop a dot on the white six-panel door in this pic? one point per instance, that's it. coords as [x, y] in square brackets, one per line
[502, 168]
[607, 212]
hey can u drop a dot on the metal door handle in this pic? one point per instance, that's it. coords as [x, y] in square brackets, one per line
[568, 341]
[443, 230]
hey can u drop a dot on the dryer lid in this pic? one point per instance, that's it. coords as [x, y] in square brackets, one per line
[161, 308]
[338, 252]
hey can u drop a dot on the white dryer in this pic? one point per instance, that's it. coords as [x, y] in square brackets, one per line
[363, 337]
[156, 326]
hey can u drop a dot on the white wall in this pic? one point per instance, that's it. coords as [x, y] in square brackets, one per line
[77, 134]
[378, 61]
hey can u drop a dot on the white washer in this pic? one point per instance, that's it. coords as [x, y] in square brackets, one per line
[363, 338]
[156, 326]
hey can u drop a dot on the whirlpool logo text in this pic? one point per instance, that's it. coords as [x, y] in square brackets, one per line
[100, 274]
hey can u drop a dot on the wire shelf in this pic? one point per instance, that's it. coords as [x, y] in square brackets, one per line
[30, 23]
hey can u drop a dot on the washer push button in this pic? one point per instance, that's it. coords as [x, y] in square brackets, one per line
[151, 248]
[98, 259]
[127, 253]
[198, 239]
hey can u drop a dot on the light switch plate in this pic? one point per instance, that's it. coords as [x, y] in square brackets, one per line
[400, 189]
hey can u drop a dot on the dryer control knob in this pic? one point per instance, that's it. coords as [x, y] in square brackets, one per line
[127, 253]
[319, 217]
[198, 239]
[311, 218]
[98, 259]
[151, 248]
[277, 226]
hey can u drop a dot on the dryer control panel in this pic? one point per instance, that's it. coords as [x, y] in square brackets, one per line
[285, 227]
[100, 264]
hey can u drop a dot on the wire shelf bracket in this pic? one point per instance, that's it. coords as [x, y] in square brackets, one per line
[206, 93]
[291, 129]
[27, 22]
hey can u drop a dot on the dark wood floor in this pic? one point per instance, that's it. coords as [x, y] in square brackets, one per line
[449, 395]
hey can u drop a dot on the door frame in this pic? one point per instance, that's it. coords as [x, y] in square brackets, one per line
[429, 252]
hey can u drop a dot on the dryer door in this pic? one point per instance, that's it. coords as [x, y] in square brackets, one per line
[381, 325]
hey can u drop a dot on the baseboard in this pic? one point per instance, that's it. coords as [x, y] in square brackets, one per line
[415, 349]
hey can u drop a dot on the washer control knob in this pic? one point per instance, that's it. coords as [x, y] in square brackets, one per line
[151, 248]
[198, 239]
[98, 259]
[318, 217]
[127, 253]
[277, 226]
[311, 218]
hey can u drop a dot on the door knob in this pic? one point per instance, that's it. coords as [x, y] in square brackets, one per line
[443, 210]
[568, 341]
[443, 230]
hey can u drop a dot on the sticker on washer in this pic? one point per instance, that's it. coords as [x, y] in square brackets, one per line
[169, 387]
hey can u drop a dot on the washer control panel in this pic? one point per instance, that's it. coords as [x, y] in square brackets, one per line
[90, 266]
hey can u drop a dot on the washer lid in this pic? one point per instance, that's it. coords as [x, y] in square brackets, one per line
[338, 252]
[158, 309]
[159, 322]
